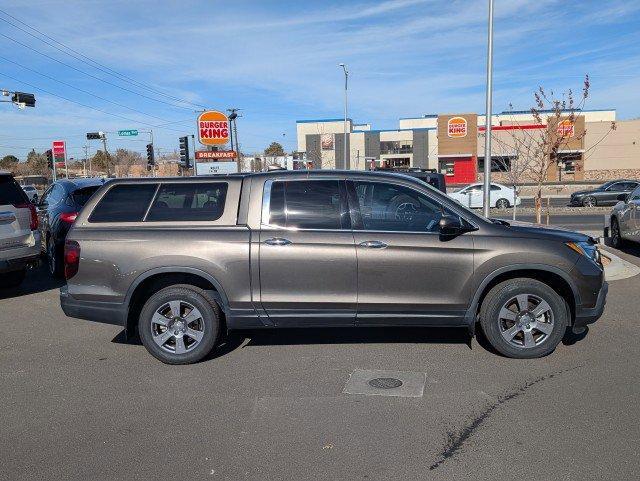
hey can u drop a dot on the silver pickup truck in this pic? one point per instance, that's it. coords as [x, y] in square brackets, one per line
[181, 261]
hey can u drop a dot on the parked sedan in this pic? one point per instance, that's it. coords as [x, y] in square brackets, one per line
[625, 219]
[57, 211]
[606, 194]
[500, 196]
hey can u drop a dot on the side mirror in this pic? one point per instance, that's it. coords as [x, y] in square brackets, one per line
[623, 197]
[450, 226]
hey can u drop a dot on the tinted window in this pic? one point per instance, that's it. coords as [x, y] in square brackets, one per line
[189, 202]
[495, 187]
[124, 203]
[10, 192]
[307, 204]
[635, 195]
[81, 196]
[390, 207]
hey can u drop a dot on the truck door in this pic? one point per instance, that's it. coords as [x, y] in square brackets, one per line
[307, 257]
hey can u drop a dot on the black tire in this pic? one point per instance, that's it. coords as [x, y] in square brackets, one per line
[210, 317]
[492, 325]
[617, 241]
[589, 201]
[13, 278]
[54, 259]
[502, 204]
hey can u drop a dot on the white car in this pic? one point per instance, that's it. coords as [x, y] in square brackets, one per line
[31, 192]
[501, 196]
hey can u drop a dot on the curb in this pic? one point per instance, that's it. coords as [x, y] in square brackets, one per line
[618, 268]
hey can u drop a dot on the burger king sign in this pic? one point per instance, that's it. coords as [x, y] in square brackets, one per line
[213, 128]
[457, 127]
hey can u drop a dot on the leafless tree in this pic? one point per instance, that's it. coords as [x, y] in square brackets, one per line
[537, 149]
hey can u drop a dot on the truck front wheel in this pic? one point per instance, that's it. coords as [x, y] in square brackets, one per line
[179, 324]
[524, 318]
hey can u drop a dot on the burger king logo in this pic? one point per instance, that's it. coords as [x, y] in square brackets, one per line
[213, 128]
[565, 128]
[457, 127]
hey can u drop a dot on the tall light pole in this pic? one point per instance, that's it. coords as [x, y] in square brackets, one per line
[346, 84]
[487, 131]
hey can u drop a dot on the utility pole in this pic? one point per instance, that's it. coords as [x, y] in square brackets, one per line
[233, 115]
[346, 81]
[486, 195]
[84, 164]
[106, 152]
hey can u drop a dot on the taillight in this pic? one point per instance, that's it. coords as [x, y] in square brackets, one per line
[68, 217]
[71, 258]
[33, 221]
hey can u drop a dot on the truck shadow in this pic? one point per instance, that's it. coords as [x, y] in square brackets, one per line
[37, 280]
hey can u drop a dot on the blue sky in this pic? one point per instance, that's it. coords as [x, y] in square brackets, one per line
[278, 61]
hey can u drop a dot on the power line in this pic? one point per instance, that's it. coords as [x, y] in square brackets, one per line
[89, 61]
[87, 106]
[80, 90]
[93, 76]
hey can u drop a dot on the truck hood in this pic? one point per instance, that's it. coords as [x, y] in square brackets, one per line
[529, 229]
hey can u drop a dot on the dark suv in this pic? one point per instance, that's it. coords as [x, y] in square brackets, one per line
[57, 211]
[183, 260]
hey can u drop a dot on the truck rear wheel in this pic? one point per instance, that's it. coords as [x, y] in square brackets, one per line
[524, 318]
[179, 324]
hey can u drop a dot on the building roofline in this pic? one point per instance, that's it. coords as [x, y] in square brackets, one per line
[310, 121]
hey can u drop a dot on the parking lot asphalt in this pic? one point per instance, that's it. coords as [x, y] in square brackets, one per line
[78, 402]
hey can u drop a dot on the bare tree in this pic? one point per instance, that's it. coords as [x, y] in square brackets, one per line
[537, 149]
[125, 160]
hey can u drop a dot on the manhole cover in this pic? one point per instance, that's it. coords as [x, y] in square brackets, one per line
[385, 383]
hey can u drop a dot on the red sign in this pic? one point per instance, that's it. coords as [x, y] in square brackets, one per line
[59, 148]
[212, 154]
[213, 128]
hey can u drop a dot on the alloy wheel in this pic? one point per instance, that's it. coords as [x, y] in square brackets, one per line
[526, 321]
[615, 233]
[177, 327]
[502, 204]
[589, 202]
[51, 257]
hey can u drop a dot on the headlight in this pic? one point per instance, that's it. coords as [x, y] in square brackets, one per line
[586, 249]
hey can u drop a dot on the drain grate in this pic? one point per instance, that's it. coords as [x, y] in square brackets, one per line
[385, 383]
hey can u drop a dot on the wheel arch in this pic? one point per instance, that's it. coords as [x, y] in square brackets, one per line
[555, 278]
[153, 280]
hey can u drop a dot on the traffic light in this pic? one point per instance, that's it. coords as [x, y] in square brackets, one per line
[23, 99]
[151, 160]
[184, 152]
[94, 135]
[49, 155]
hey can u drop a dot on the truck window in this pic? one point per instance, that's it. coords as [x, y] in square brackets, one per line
[189, 202]
[124, 203]
[10, 192]
[307, 204]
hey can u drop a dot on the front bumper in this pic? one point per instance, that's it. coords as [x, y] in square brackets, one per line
[103, 312]
[589, 315]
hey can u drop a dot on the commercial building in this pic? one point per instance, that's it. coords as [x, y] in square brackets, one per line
[595, 146]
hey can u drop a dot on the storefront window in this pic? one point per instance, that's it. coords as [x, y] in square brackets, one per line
[396, 147]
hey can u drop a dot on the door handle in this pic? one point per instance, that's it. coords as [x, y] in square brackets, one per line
[373, 244]
[277, 241]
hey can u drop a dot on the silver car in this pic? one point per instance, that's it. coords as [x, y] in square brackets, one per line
[19, 236]
[625, 219]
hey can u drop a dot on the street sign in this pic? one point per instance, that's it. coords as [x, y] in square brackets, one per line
[209, 168]
[215, 154]
[128, 133]
[213, 128]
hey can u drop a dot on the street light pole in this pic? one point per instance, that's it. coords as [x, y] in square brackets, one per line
[487, 131]
[346, 81]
